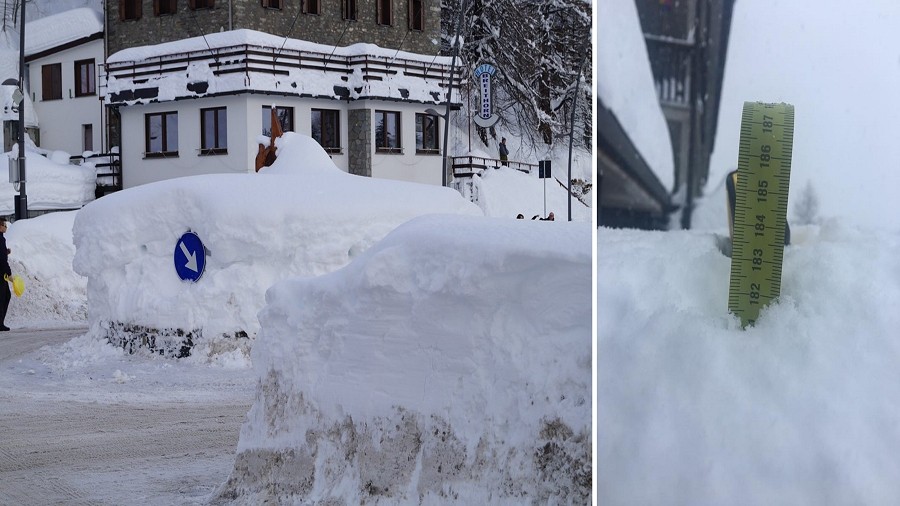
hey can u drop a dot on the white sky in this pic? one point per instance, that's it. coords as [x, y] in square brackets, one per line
[838, 63]
[455, 299]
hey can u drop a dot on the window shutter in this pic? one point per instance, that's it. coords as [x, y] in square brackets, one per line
[192, 4]
[156, 7]
[121, 10]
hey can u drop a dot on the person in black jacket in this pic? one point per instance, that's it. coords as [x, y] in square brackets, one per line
[4, 266]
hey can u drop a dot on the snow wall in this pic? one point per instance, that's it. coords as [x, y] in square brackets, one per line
[449, 364]
[300, 217]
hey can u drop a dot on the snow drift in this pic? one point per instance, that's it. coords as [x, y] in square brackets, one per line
[449, 364]
[799, 409]
[302, 216]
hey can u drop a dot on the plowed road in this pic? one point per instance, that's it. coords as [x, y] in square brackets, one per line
[60, 445]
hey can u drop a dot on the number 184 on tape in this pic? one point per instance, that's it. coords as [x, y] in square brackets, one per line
[763, 180]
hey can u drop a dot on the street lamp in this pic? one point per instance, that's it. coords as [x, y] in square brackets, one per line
[17, 166]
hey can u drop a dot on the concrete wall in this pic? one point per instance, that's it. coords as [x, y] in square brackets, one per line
[325, 28]
[61, 120]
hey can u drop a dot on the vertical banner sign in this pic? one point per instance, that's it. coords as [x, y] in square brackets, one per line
[483, 75]
[763, 180]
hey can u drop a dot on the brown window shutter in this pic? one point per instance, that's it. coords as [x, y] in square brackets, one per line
[192, 4]
[121, 10]
[46, 79]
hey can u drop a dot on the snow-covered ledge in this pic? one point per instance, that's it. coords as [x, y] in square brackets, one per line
[448, 364]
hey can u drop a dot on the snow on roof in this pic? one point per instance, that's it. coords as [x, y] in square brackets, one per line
[626, 87]
[59, 29]
[254, 38]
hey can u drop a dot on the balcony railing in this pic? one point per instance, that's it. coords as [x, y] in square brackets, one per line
[247, 59]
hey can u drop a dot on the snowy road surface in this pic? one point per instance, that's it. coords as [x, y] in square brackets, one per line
[119, 430]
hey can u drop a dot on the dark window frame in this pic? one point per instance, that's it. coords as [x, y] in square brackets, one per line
[164, 152]
[349, 10]
[384, 12]
[312, 6]
[435, 129]
[87, 137]
[51, 81]
[416, 19]
[220, 139]
[382, 141]
[207, 4]
[267, 121]
[272, 4]
[91, 90]
[130, 10]
[333, 120]
[165, 7]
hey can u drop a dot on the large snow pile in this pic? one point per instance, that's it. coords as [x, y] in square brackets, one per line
[799, 409]
[302, 216]
[51, 183]
[448, 364]
[507, 192]
[42, 252]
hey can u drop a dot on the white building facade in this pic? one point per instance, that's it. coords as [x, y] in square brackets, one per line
[63, 53]
[203, 105]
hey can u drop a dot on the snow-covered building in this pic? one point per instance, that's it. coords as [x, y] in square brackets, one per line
[201, 101]
[62, 54]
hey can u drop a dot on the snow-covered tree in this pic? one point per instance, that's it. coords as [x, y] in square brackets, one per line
[806, 210]
[539, 47]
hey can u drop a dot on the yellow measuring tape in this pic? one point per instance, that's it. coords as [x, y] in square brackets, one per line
[760, 217]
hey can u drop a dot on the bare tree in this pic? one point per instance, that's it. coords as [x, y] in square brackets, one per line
[537, 45]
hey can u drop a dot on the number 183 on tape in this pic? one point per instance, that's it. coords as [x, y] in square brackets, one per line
[760, 217]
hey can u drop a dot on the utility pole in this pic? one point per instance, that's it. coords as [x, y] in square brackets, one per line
[462, 10]
[22, 207]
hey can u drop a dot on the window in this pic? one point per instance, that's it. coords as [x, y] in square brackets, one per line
[427, 134]
[273, 4]
[326, 129]
[285, 117]
[129, 10]
[387, 131]
[214, 131]
[384, 12]
[417, 15]
[163, 7]
[85, 82]
[52, 81]
[161, 134]
[87, 137]
[348, 9]
[311, 7]
[201, 4]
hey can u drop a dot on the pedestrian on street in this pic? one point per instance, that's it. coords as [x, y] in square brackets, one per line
[504, 152]
[5, 295]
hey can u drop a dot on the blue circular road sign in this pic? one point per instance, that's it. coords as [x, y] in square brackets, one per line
[190, 257]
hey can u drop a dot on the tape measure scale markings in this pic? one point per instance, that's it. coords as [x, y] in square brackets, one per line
[760, 217]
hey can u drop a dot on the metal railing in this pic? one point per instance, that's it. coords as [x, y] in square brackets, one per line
[466, 166]
[248, 58]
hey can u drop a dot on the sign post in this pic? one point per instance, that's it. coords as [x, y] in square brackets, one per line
[544, 173]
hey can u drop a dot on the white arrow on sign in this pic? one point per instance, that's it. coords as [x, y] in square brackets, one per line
[191, 257]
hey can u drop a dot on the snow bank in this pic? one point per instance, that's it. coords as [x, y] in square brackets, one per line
[506, 192]
[48, 185]
[303, 216]
[449, 364]
[42, 253]
[797, 410]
